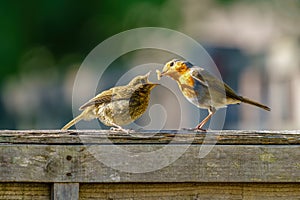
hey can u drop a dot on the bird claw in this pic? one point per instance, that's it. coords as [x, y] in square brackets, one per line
[121, 129]
[195, 129]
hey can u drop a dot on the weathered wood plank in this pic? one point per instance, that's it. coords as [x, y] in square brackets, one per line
[63, 191]
[229, 137]
[149, 191]
[76, 163]
[194, 191]
[25, 191]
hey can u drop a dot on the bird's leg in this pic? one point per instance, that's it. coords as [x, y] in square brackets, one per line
[211, 111]
[119, 128]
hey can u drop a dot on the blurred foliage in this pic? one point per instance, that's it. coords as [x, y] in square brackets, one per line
[73, 27]
[43, 43]
[226, 2]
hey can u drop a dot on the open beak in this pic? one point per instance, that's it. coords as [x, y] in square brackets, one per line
[153, 85]
[148, 74]
[164, 71]
[148, 82]
[160, 74]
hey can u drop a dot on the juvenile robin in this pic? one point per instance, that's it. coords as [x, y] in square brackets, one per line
[119, 105]
[203, 89]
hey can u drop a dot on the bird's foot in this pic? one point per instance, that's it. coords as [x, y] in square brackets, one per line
[195, 129]
[128, 131]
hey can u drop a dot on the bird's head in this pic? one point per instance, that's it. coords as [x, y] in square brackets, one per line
[175, 68]
[142, 80]
[141, 86]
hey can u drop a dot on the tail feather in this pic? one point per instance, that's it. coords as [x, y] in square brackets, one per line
[249, 101]
[73, 121]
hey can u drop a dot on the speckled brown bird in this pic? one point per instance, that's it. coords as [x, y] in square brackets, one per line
[119, 105]
[203, 89]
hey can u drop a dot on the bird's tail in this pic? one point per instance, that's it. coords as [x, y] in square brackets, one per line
[245, 100]
[73, 121]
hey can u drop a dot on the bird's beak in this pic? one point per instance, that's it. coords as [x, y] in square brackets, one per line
[165, 71]
[148, 74]
[148, 82]
[153, 85]
[162, 73]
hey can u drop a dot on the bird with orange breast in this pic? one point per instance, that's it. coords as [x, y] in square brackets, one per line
[202, 88]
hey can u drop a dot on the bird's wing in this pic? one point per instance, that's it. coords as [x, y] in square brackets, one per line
[196, 74]
[208, 80]
[104, 97]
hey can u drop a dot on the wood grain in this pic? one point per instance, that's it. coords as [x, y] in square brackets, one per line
[164, 191]
[101, 164]
[229, 137]
[24, 191]
[78, 163]
[193, 191]
[63, 191]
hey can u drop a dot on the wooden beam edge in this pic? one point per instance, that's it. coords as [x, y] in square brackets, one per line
[227, 137]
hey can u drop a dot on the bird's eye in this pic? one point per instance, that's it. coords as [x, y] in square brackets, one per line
[171, 64]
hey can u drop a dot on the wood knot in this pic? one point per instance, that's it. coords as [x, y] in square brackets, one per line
[69, 174]
[69, 157]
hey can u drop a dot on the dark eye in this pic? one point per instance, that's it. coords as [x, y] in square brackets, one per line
[171, 64]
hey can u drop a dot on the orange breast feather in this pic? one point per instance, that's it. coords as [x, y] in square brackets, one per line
[186, 79]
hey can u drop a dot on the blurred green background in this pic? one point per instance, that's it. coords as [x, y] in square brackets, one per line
[255, 45]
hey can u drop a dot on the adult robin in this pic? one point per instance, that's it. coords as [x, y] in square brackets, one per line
[203, 89]
[119, 105]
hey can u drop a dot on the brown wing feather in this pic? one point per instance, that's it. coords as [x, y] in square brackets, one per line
[208, 80]
[104, 97]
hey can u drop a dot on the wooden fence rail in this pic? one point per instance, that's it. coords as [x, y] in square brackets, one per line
[54, 164]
